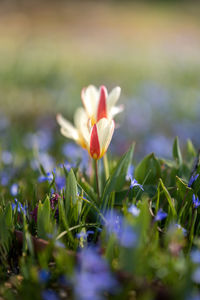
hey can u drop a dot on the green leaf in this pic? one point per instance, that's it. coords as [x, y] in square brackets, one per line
[8, 216]
[71, 193]
[191, 151]
[177, 152]
[118, 177]
[183, 189]
[43, 218]
[169, 199]
[148, 170]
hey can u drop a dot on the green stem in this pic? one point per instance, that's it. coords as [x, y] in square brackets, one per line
[97, 178]
[106, 167]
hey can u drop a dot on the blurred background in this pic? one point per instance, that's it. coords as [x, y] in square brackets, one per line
[49, 50]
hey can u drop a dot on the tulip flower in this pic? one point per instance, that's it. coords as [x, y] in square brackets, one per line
[99, 104]
[80, 132]
[100, 136]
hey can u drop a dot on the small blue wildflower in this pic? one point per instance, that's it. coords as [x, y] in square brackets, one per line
[196, 201]
[7, 157]
[93, 276]
[129, 175]
[41, 140]
[49, 295]
[60, 182]
[83, 234]
[44, 276]
[134, 210]
[195, 256]
[48, 177]
[14, 189]
[161, 215]
[196, 276]
[116, 224]
[184, 231]
[192, 179]
[45, 160]
[5, 178]
[59, 244]
[128, 237]
[135, 183]
[20, 208]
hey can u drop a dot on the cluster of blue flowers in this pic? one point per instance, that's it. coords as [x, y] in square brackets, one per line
[92, 276]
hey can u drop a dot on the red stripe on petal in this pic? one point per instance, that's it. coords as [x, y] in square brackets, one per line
[94, 143]
[102, 112]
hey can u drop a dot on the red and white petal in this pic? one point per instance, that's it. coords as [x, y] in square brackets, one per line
[94, 143]
[67, 129]
[113, 98]
[90, 97]
[102, 109]
[105, 129]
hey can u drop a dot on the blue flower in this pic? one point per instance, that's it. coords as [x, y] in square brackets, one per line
[20, 208]
[129, 175]
[5, 178]
[196, 276]
[135, 183]
[44, 276]
[116, 224]
[49, 295]
[60, 182]
[14, 189]
[48, 177]
[93, 276]
[134, 210]
[196, 201]
[184, 231]
[192, 179]
[83, 234]
[195, 256]
[161, 215]
[7, 157]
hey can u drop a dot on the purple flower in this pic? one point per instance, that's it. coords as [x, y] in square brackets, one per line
[196, 276]
[195, 256]
[19, 207]
[129, 176]
[14, 189]
[161, 215]
[93, 276]
[44, 276]
[49, 295]
[196, 201]
[192, 179]
[184, 231]
[116, 224]
[60, 182]
[135, 183]
[7, 157]
[134, 210]
[48, 177]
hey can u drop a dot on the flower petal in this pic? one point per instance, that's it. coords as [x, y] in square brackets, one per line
[105, 129]
[90, 98]
[94, 143]
[113, 97]
[102, 111]
[67, 129]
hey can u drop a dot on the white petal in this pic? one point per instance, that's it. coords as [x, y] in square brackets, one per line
[81, 123]
[90, 98]
[67, 129]
[113, 97]
[105, 129]
[115, 110]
